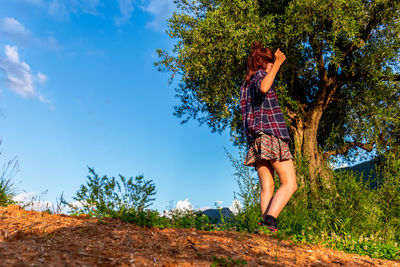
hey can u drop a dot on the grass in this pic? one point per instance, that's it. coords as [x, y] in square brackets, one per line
[226, 261]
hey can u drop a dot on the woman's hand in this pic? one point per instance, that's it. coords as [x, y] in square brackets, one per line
[279, 57]
[271, 72]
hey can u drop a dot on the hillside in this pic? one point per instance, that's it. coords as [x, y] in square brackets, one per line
[366, 169]
[31, 238]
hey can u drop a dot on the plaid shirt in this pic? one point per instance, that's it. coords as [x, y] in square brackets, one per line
[261, 112]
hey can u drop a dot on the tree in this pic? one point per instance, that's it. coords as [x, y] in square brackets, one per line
[339, 85]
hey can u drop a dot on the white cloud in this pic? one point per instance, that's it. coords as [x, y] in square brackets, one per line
[42, 78]
[12, 53]
[58, 9]
[236, 206]
[19, 75]
[161, 10]
[218, 203]
[29, 199]
[126, 9]
[13, 29]
[24, 196]
[336, 165]
[49, 42]
[61, 9]
[184, 205]
[343, 165]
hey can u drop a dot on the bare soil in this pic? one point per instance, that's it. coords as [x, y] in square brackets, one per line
[31, 238]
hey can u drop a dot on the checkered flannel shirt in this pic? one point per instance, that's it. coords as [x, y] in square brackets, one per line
[261, 112]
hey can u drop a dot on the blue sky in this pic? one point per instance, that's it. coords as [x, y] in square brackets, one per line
[78, 88]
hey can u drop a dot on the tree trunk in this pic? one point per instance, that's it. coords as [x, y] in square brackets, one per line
[306, 145]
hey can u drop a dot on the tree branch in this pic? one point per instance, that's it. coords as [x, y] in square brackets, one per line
[395, 78]
[318, 58]
[292, 115]
[325, 83]
[298, 92]
[346, 147]
[324, 97]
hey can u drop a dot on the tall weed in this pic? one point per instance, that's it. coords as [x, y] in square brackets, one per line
[7, 188]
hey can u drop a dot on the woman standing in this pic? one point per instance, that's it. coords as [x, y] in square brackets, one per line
[266, 132]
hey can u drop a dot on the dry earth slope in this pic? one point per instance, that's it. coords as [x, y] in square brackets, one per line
[31, 238]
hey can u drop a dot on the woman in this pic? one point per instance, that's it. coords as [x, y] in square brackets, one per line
[266, 133]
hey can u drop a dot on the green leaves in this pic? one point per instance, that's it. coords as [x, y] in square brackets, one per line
[103, 197]
[346, 46]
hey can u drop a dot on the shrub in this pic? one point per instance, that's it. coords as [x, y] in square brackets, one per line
[352, 216]
[103, 197]
[249, 194]
[389, 195]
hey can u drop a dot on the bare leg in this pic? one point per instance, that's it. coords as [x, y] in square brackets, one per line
[287, 176]
[266, 176]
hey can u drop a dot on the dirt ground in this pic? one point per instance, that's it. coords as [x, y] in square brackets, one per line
[31, 238]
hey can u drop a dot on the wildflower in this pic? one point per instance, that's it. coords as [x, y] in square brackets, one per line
[365, 247]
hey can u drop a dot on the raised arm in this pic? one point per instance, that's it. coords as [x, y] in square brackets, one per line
[270, 77]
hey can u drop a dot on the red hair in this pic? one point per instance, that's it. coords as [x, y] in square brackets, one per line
[258, 59]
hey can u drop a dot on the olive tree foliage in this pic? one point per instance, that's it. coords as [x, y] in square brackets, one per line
[339, 85]
[212, 48]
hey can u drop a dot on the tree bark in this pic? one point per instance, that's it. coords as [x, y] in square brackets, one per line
[306, 144]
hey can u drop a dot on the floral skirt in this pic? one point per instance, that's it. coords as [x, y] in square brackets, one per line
[269, 147]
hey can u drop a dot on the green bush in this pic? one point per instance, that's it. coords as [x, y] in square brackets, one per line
[103, 197]
[389, 196]
[352, 217]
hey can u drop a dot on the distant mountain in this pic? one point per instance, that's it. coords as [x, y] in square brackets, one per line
[367, 169]
[215, 217]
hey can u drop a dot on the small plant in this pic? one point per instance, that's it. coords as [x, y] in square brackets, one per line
[34, 202]
[249, 193]
[7, 172]
[221, 261]
[58, 209]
